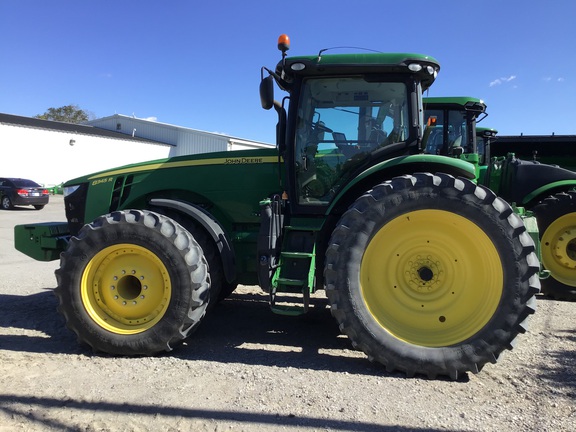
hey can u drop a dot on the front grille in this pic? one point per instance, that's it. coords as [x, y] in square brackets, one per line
[127, 188]
[75, 205]
[122, 186]
[116, 192]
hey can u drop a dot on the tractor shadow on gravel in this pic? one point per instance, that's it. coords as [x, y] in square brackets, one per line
[241, 329]
[557, 366]
[38, 328]
[26, 407]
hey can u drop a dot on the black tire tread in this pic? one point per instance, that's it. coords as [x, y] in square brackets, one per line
[91, 237]
[483, 351]
[547, 211]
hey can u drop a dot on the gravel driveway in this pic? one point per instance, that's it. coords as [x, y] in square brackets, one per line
[246, 369]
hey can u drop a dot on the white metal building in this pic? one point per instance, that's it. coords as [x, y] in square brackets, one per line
[184, 140]
[50, 152]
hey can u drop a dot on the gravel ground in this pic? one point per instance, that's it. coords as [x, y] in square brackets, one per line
[246, 369]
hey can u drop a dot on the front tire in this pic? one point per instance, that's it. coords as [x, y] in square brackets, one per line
[556, 216]
[133, 283]
[431, 275]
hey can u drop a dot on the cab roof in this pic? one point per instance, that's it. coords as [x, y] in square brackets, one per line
[461, 101]
[334, 64]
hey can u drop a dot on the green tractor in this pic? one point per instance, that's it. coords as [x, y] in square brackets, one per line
[425, 271]
[549, 191]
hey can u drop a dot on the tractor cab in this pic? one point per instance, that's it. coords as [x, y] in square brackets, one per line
[451, 127]
[343, 123]
[345, 113]
[484, 139]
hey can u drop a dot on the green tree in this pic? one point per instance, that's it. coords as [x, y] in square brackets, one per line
[67, 114]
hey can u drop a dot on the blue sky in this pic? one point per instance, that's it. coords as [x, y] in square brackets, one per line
[197, 64]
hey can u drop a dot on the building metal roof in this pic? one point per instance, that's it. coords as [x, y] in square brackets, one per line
[113, 119]
[14, 120]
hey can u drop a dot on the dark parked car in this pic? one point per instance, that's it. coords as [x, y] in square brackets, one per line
[17, 191]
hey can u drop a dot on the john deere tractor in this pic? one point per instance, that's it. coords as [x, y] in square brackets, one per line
[549, 191]
[424, 270]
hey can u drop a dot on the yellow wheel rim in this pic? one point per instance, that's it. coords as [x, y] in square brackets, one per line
[125, 289]
[559, 249]
[431, 278]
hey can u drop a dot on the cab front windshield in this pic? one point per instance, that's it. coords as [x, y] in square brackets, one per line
[341, 121]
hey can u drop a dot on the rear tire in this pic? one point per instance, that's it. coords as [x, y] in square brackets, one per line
[38, 207]
[556, 216]
[7, 203]
[431, 275]
[133, 283]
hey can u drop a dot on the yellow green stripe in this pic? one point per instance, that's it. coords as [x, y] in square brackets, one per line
[187, 163]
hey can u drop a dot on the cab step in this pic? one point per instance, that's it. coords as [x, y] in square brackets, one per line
[294, 276]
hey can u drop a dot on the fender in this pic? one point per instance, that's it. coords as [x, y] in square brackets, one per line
[211, 226]
[523, 181]
[403, 165]
[550, 189]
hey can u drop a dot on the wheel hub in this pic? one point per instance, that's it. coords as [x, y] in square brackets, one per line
[565, 248]
[127, 288]
[422, 275]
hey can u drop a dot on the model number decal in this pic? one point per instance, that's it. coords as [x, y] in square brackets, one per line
[102, 180]
[237, 161]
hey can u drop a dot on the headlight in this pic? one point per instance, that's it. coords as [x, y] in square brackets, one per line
[69, 190]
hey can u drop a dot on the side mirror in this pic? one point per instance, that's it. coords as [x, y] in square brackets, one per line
[267, 92]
